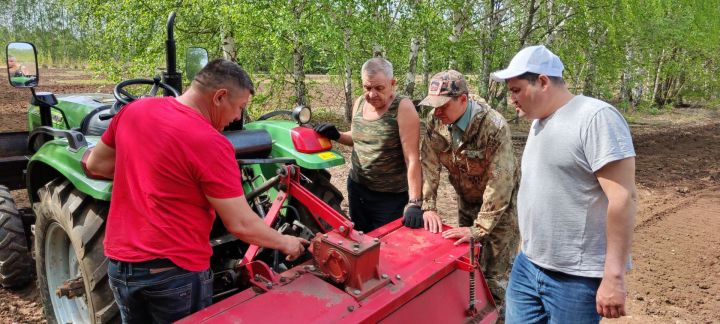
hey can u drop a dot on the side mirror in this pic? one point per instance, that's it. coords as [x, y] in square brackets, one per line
[195, 59]
[22, 65]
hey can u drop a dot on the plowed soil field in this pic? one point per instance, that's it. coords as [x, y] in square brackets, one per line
[676, 249]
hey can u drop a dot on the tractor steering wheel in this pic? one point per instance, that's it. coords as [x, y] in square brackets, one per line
[124, 97]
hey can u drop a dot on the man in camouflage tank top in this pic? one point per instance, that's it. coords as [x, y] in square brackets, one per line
[385, 180]
[473, 142]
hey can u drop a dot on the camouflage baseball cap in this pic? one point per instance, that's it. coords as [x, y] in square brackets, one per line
[443, 87]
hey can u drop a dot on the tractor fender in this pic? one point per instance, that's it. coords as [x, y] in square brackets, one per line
[282, 146]
[55, 159]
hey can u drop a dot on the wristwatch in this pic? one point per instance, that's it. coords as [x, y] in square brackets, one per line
[415, 201]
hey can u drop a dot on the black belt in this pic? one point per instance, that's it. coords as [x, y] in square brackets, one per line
[154, 263]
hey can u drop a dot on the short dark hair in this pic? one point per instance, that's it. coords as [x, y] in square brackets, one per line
[221, 72]
[532, 78]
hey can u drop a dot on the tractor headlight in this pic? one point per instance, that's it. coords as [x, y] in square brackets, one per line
[302, 114]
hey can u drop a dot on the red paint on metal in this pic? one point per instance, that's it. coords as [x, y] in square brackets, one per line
[353, 263]
[205, 315]
[307, 140]
[421, 259]
[260, 274]
[405, 275]
[269, 220]
[444, 302]
[316, 302]
[426, 283]
[318, 207]
[388, 228]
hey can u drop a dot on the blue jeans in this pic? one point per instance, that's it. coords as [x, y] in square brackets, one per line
[537, 295]
[158, 291]
[371, 209]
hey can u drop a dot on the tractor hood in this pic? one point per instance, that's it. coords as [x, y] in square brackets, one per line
[71, 109]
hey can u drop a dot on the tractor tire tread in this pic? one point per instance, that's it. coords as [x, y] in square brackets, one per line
[83, 220]
[15, 260]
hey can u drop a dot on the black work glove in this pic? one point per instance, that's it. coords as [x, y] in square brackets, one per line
[328, 130]
[413, 217]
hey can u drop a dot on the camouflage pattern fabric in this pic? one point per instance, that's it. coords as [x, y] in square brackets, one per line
[484, 172]
[378, 162]
[499, 248]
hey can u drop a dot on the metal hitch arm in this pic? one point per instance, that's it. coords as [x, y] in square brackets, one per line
[288, 181]
[290, 176]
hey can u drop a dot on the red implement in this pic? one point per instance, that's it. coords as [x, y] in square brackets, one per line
[392, 275]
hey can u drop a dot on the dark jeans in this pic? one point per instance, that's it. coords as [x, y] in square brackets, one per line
[157, 291]
[372, 209]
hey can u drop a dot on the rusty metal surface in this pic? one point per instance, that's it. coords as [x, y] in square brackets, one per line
[71, 288]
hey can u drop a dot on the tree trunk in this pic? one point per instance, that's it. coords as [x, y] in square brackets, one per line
[656, 85]
[527, 25]
[626, 80]
[299, 61]
[348, 76]
[487, 42]
[554, 24]
[599, 37]
[412, 63]
[228, 46]
[625, 93]
[588, 88]
[299, 74]
[425, 60]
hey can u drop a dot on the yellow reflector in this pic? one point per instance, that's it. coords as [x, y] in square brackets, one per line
[327, 155]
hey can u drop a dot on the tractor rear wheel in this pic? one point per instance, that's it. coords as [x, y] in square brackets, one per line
[69, 234]
[15, 261]
[320, 186]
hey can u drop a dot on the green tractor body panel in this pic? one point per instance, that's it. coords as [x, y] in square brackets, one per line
[259, 173]
[283, 146]
[75, 107]
[57, 155]
[22, 80]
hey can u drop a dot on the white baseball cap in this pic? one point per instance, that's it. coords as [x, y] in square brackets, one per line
[535, 59]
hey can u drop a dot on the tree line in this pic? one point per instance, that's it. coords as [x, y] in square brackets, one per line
[634, 53]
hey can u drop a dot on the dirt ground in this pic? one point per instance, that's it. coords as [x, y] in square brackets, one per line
[676, 249]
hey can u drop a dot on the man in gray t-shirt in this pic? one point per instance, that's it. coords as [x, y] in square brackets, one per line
[576, 202]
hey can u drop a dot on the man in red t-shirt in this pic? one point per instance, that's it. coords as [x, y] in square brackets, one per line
[172, 170]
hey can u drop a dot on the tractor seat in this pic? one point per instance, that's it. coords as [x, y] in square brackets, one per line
[91, 124]
[250, 143]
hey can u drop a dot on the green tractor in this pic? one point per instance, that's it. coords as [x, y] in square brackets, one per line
[69, 207]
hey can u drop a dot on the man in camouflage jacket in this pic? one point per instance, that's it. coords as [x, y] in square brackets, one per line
[473, 142]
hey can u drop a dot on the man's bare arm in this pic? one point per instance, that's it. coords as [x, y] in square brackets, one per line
[346, 137]
[409, 128]
[102, 160]
[243, 222]
[617, 180]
